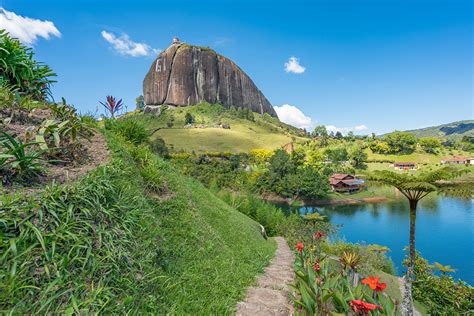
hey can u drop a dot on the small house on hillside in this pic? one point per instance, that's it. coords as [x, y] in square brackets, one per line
[404, 166]
[458, 160]
[346, 183]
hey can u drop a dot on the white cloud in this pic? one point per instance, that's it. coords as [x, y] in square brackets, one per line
[27, 30]
[360, 127]
[345, 130]
[125, 46]
[293, 66]
[290, 114]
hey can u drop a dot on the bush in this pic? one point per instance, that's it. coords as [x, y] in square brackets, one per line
[441, 294]
[373, 257]
[130, 130]
[158, 146]
[188, 118]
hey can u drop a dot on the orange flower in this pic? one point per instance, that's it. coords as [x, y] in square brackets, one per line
[299, 246]
[371, 281]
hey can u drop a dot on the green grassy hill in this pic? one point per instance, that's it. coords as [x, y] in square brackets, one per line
[454, 130]
[264, 132]
[133, 236]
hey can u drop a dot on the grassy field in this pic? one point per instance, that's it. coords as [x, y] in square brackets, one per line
[133, 237]
[244, 135]
[418, 156]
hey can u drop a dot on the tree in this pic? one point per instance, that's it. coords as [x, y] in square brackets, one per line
[339, 135]
[140, 102]
[414, 187]
[188, 118]
[400, 142]
[430, 144]
[320, 131]
[336, 154]
[357, 156]
[350, 136]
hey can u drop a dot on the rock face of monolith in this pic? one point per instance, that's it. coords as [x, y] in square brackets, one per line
[185, 75]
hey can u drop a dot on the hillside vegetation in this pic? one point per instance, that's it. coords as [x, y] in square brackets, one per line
[133, 236]
[247, 130]
[454, 130]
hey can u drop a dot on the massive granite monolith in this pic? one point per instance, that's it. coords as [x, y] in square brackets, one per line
[185, 75]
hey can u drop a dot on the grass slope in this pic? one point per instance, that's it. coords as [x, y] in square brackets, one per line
[455, 130]
[132, 237]
[244, 135]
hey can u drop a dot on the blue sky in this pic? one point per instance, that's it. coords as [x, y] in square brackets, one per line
[379, 65]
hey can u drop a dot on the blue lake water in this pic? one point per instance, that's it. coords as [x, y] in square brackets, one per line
[444, 231]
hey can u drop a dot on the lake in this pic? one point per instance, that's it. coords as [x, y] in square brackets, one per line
[444, 231]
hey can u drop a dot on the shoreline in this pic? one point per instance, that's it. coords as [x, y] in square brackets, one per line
[324, 202]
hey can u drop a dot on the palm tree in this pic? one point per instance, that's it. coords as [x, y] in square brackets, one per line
[415, 187]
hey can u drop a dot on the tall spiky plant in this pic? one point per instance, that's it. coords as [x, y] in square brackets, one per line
[112, 105]
[415, 187]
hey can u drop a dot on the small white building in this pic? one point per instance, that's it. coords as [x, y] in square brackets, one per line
[458, 160]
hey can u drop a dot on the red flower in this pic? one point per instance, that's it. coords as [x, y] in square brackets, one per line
[319, 235]
[299, 246]
[361, 307]
[316, 267]
[371, 281]
[380, 287]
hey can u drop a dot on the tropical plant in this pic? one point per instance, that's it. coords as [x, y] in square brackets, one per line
[112, 105]
[443, 269]
[414, 187]
[21, 71]
[49, 127]
[321, 288]
[21, 157]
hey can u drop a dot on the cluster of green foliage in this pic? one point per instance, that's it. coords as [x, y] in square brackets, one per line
[20, 71]
[288, 176]
[395, 143]
[373, 258]
[276, 223]
[61, 135]
[56, 139]
[440, 294]
[326, 285]
[215, 172]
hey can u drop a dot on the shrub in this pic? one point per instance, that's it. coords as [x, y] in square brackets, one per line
[441, 294]
[131, 130]
[188, 118]
[158, 146]
[373, 257]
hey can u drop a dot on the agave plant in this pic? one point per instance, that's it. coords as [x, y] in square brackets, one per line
[112, 105]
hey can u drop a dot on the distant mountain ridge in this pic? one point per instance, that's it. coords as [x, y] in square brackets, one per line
[451, 130]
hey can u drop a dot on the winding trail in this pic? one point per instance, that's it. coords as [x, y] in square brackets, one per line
[270, 295]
